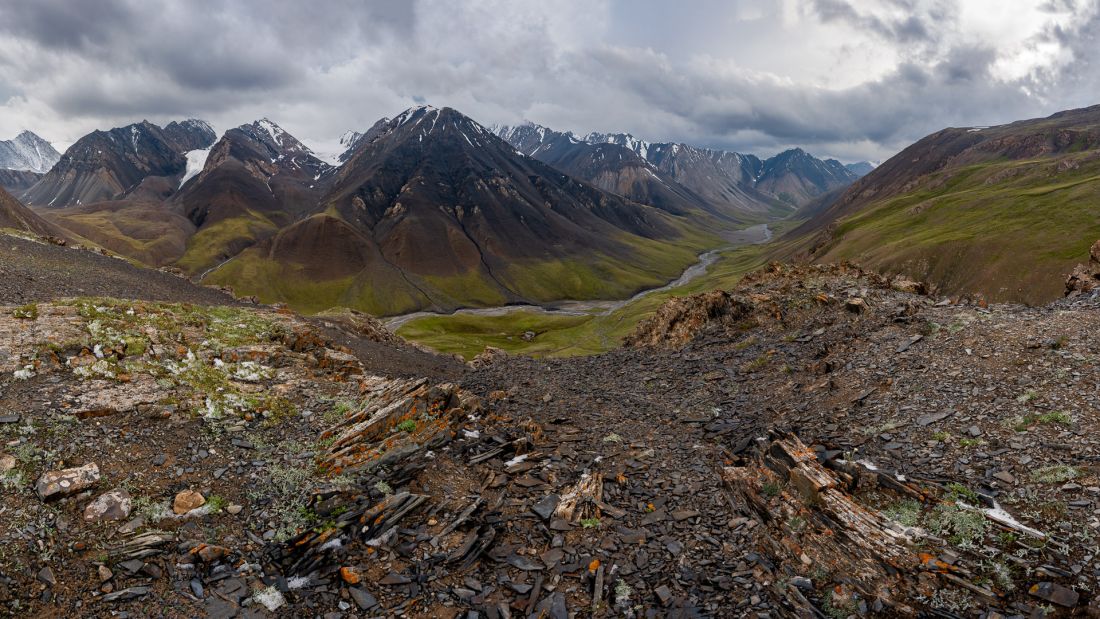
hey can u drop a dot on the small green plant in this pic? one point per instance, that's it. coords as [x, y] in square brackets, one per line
[384, 488]
[1056, 474]
[960, 526]
[837, 609]
[758, 363]
[906, 513]
[338, 411]
[407, 426]
[970, 442]
[1023, 423]
[957, 492]
[1027, 396]
[590, 523]
[771, 489]
[1008, 538]
[612, 438]
[216, 504]
[1058, 417]
[745, 343]
[26, 312]
[941, 436]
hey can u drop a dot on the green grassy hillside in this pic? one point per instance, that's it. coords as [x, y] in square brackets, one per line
[1010, 230]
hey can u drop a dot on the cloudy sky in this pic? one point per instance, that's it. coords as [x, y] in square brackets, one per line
[853, 79]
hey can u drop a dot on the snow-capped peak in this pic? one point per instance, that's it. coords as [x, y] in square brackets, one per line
[350, 137]
[28, 151]
[275, 131]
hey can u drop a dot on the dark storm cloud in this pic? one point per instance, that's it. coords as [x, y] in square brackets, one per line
[839, 77]
[911, 25]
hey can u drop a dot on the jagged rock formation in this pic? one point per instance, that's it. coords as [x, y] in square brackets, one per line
[1085, 278]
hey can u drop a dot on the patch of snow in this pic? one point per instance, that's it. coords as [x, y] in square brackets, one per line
[297, 582]
[516, 460]
[271, 598]
[998, 514]
[275, 131]
[196, 161]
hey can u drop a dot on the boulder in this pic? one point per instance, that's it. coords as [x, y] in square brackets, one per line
[187, 501]
[57, 484]
[113, 505]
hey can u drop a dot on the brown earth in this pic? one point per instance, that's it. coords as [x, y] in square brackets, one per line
[827, 448]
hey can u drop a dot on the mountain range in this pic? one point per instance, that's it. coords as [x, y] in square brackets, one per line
[427, 210]
[681, 176]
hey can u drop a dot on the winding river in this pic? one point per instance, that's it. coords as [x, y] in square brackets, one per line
[753, 235]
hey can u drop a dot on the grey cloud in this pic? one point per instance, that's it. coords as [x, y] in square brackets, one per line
[322, 67]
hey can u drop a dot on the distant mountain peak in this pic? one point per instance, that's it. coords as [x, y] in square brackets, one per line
[28, 151]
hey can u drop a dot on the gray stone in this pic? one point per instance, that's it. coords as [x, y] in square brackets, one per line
[113, 505]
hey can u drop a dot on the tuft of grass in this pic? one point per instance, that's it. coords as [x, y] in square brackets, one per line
[26, 312]
[1055, 474]
[958, 492]
[771, 489]
[1023, 423]
[590, 523]
[407, 426]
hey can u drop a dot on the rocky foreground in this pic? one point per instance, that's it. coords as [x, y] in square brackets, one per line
[819, 442]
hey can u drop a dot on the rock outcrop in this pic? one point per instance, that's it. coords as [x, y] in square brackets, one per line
[1085, 277]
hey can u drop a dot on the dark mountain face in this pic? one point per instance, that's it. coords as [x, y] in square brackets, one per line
[256, 179]
[451, 214]
[860, 168]
[108, 165]
[429, 160]
[611, 167]
[796, 177]
[191, 134]
[681, 176]
[27, 152]
[18, 181]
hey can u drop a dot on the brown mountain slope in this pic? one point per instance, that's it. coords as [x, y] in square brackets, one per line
[15, 216]
[257, 179]
[1000, 211]
[439, 212]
